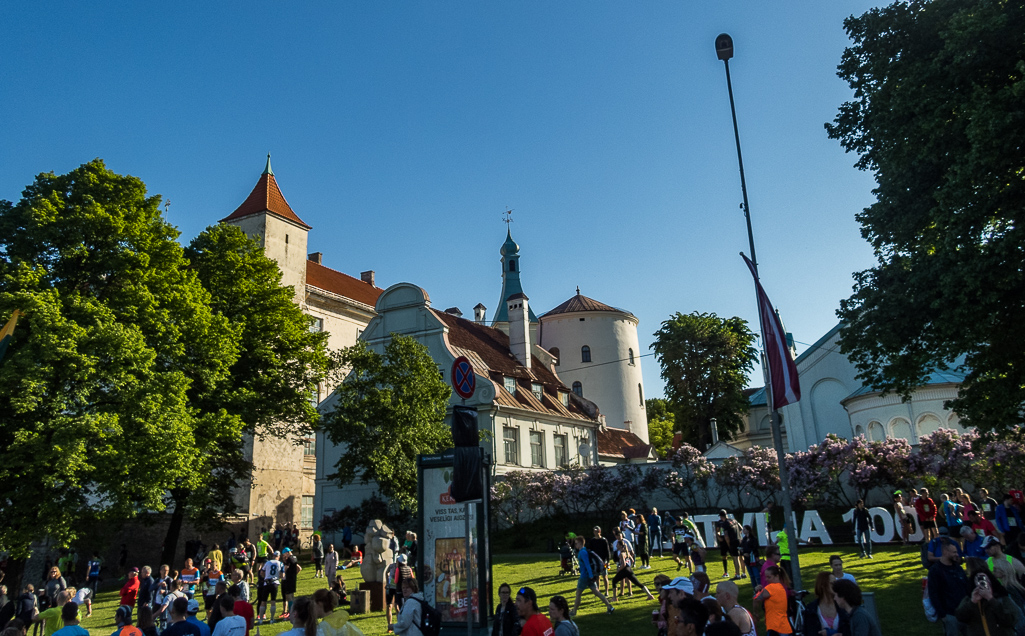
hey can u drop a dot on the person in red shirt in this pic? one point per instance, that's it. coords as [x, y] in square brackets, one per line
[537, 623]
[926, 509]
[242, 608]
[130, 590]
[984, 527]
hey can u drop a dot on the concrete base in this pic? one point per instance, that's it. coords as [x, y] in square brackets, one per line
[376, 594]
[359, 602]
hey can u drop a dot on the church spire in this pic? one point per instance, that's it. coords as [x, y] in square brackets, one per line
[510, 278]
[268, 170]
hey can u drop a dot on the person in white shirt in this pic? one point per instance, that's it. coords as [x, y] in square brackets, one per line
[836, 563]
[272, 572]
[230, 624]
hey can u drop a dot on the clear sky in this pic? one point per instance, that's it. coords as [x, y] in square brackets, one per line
[401, 131]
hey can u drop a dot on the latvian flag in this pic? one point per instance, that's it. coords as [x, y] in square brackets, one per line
[786, 389]
[7, 334]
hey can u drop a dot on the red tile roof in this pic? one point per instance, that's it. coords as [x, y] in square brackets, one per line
[615, 442]
[489, 347]
[582, 303]
[342, 284]
[266, 197]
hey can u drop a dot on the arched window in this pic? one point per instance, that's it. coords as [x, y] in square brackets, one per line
[578, 389]
[631, 351]
[555, 353]
[875, 432]
[585, 353]
[512, 266]
[858, 431]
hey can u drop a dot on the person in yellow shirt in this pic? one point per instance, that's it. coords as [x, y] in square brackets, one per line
[216, 556]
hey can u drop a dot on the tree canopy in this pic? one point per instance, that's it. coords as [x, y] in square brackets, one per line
[389, 409]
[937, 117]
[661, 426]
[705, 360]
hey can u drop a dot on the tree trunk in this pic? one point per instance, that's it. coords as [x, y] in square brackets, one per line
[174, 529]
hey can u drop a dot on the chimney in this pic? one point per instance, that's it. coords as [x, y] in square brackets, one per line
[367, 277]
[454, 311]
[715, 431]
[316, 257]
[478, 313]
[519, 327]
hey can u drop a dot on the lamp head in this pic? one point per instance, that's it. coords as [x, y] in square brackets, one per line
[724, 46]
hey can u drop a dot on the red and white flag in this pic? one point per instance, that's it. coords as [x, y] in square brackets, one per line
[786, 388]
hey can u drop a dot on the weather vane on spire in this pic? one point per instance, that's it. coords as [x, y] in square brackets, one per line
[507, 217]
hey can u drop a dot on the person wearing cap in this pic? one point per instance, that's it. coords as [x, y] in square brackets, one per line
[600, 546]
[535, 623]
[123, 620]
[192, 609]
[288, 582]
[130, 590]
[393, 577]
[676, 590]
[587, 580]
[69, 614]
[178, 623]
[1006, 569]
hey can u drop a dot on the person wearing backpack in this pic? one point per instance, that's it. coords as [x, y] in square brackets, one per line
[410, 621]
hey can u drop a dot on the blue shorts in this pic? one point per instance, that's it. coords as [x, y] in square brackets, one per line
[583, 583]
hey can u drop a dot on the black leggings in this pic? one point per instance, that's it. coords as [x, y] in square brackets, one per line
[628, 574]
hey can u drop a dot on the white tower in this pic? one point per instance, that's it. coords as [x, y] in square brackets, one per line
[599, 357]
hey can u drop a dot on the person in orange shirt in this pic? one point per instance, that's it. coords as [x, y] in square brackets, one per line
[772, 601]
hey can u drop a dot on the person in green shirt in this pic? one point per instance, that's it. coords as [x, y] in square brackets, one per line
[262, 548]
[51, 618]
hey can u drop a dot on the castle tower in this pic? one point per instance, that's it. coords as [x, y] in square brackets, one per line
[267, 217]
[511, 286]
[599, 357]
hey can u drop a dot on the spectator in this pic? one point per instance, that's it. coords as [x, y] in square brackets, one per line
[987, 611]
[987, 504]
[192, 609]
[93, 572]
[130, 590]
[641, 535]
[506, 616]
[902, 516]
[972, 543]
[1007, 519]
[232, 625]
[410, 617]
[848, 598]
[626, 526]
[123, 620]
[983, 527]
[926, 509]
[947, 587]
[178, 625]
[823, 614]
[1017, 550]
[749, 553]
[242, 607]
[655, 532]
[863, 529]
[69, 614]
[771, 559]
[692, 617]
[952, 512]
[836, 565]
[600, 546]
[146, 624]
[772, 601]
[330, 563]
[51, 617]
[333, 623]
[317, 555]
[558, 610]
[304, 617]
[145, 595]
[55, 584]
[727, 593]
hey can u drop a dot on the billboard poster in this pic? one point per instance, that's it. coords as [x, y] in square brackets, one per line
[446, 563]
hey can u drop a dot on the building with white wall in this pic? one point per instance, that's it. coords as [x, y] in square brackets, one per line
[834, 401]
[282, 486]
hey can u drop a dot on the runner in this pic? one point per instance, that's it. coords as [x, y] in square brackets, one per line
[189, 576]
[292, 569]
[270, 582]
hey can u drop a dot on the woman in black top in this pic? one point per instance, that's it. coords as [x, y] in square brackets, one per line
[641, 543]
[507, 621]
[749, 552]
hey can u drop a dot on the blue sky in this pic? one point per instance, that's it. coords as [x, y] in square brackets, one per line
[401, 131]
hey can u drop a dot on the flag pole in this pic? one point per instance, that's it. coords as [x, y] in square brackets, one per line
[724, 51]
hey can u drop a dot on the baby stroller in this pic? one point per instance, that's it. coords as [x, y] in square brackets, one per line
[568, 561]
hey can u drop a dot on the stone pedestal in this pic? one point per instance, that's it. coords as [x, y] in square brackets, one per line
[377, 596]
[359, 603]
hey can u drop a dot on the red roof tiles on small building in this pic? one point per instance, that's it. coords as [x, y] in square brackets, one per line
[266, 197]
[614, 442]
[342, 284]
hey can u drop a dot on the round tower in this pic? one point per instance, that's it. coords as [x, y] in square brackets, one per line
[599, 357]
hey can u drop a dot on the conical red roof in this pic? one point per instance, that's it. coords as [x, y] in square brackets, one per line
[266, 197]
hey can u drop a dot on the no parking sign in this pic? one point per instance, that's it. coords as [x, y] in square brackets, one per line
[463, 379]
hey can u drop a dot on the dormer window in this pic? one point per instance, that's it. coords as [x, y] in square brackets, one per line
[510, 385]
[537, 390]
[564, 397]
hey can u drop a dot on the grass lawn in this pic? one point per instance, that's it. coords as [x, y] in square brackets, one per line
[894, 576]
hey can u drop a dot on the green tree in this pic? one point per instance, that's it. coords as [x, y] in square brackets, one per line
[705, 360]
[661, 426]
[937, 117]
[389, 409]
[117, 341]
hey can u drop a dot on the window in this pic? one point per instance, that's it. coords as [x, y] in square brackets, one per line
[555, 353]
[317, 325]
[640, 393]
[510, 438]
[564, 397]
[310, 447]
[561, 460]
[578, 389]
[359, 334]
[537, 390]
[585, 353]
[512, 266]
[537, 449]
[306, 512]
[631, 353]
[510, 385]
[315, 396]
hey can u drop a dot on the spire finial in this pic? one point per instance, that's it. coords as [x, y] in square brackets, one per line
[578, 290]
[507, 219]
[268, 170]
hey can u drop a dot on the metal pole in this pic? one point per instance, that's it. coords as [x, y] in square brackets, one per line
[777, 435]
[469, 575]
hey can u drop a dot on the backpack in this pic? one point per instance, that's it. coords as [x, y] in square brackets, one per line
[597, 565]
[925, 550]
[430, 619]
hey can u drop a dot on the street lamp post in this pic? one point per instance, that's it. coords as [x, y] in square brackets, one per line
[724, 51]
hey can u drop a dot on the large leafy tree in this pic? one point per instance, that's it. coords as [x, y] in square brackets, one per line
[661, 425]
[705, 360]
[389, 409]
[937, 117]
[117, 342]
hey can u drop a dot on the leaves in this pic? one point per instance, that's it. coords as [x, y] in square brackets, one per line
[389, 409]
